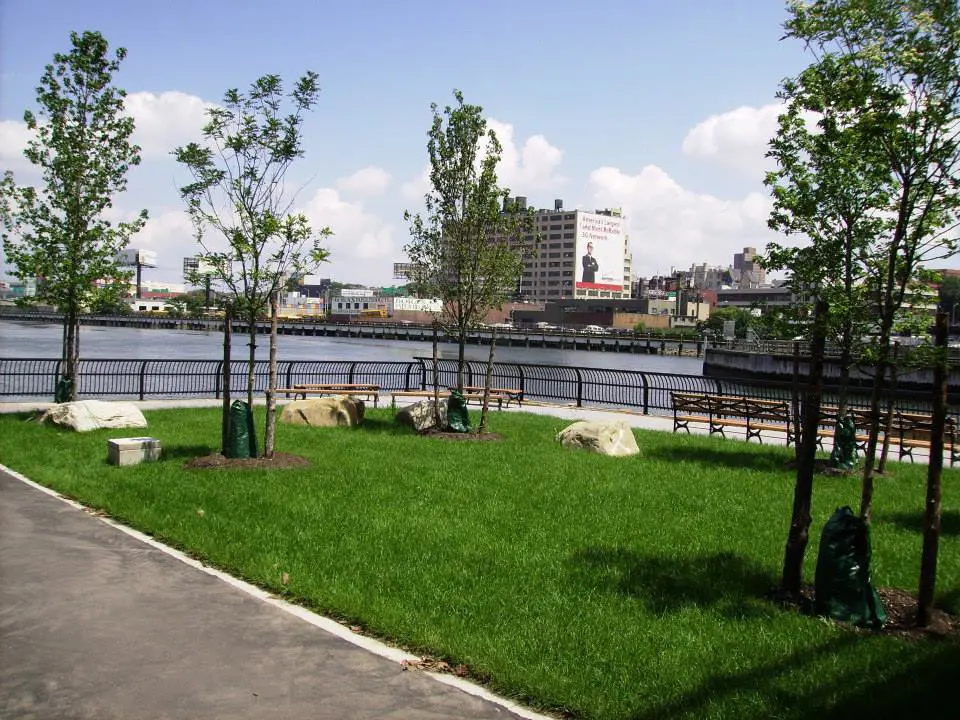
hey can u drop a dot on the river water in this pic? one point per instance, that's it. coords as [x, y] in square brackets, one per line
[38, 340]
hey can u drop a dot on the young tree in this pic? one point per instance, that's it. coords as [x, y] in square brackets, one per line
[903, 58]
[830, 189]
[82, 149]
[251, 240]
[468, 251]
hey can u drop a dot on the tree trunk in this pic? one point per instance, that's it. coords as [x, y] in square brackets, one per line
[888, 416]
[270, 431]
[931, 517]
[870, 457]
[227, 342]
[846, 351]
[461, 358]
[252, 358]
[485, 408]
[795, 393]
[71, 351]
[436, 376]
[803, 489]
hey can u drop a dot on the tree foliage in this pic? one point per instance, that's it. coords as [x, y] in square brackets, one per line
[238, 203]
[57, 233]
[881, 170]
[468, 249]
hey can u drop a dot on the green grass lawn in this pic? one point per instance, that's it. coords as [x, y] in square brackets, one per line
[606, 587]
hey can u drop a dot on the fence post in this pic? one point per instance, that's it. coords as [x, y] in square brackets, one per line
[350, 375]
[143, 373]
[646, 393]
[289, 379]
[579, 388]
[522, 387]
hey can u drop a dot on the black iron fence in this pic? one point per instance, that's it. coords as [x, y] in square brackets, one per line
[646, 392]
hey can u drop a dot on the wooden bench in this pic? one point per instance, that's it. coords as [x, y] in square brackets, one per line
[511, 394]
[362, 391]
[915, 430]
[907, 430]
[827, 425]
[719, 412]
[427, 394]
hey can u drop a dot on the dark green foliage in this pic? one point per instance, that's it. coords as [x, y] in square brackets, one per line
[467, 251]
[81, 147]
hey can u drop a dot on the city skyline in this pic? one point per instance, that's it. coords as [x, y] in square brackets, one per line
[661, 111]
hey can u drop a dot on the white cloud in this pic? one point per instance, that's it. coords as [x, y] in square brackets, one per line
[367, 181]
[414, 189]
[735, 139]
[163, 122]
[361, 248]
[528, 168]
[14, 136]
[524, 170]
[166, 120]
[670, 226]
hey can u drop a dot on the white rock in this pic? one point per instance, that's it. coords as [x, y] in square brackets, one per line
[606, 438]
[85, 415]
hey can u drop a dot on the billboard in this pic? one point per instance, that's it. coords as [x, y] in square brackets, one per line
[418, 304]
[599, 252]
[133, 256]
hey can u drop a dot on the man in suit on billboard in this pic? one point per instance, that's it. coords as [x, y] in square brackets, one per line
[590, 265]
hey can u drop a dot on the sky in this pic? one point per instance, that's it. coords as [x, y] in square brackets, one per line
[661, 109]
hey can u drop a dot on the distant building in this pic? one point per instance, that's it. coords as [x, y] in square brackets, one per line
[580, 255]
[768, 297]
[748, 273]
[314, 286]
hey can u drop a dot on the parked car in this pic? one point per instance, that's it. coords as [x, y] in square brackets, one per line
[594, 330]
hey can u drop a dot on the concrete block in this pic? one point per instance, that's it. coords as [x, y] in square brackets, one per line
[133, 451]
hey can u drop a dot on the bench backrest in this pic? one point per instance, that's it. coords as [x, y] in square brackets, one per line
[731, 406]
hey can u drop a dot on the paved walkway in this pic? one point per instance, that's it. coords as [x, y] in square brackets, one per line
[95, 623]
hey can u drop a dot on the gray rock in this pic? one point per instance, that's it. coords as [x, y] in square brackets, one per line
[420, 416]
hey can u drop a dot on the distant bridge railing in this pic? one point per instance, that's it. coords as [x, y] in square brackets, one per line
[646, 392]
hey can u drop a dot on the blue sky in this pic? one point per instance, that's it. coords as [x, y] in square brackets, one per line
[662, 109]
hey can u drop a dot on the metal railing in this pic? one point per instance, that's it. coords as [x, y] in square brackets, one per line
[646, 392]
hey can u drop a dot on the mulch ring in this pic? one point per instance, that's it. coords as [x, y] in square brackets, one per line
[901, 609]
[216, 461]
[470, 436]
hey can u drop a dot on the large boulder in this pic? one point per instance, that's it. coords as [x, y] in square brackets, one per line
[606, 438]
[86, 415]
[324, 412]
[421, 416]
